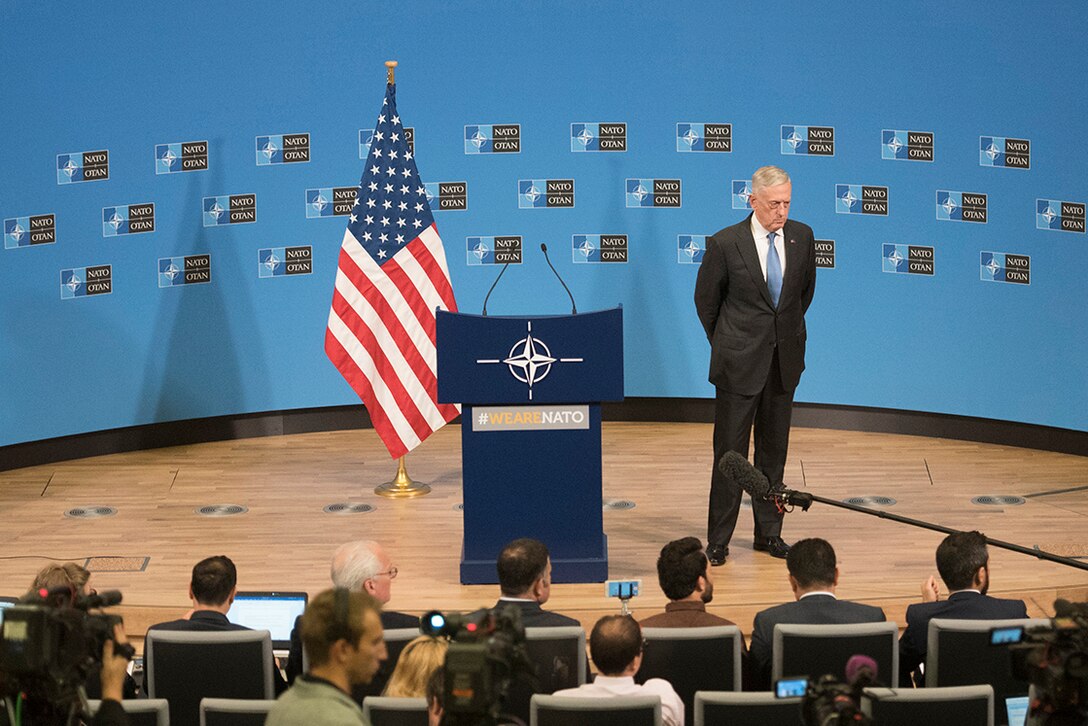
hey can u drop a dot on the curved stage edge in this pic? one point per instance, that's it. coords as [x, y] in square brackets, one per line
[664, 410]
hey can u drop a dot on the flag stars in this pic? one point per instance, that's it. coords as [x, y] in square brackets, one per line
[403, 206]
[385, 221]
[401, 222]
[390, 171]
[419, 207]
[404, 189]
[407, 155]
[421, 190]
[394, 137]
[354, 219]
[375, 170]
[416, 223]
[368, 219]
[400, 239]
[406, 173]
[387, 204]
[382, 254]
[367, 236]
[378, 136]
[388, 188]
[370, 203]
[381, 118]
[372, 186]
[377, 153]
[383, 238]
[396, 120]
[392, 153]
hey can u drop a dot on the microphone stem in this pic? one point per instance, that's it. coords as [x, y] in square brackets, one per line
[1040, 554]
[573, 309]
[488, 295]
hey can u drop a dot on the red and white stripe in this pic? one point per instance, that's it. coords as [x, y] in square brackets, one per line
[381, 336]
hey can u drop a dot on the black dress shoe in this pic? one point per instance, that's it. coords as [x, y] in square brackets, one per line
[716, 554]
[774, 546]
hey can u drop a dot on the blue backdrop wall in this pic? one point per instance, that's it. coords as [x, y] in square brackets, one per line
[129, 78]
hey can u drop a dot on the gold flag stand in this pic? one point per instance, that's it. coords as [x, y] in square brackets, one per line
[402, 486]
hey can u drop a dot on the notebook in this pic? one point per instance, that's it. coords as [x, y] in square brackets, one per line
[271, 611]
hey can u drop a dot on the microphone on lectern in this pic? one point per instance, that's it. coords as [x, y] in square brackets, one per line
[544, 249]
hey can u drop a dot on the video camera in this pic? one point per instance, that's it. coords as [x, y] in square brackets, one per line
[50, 644]
[1054, 659]
[487, 652]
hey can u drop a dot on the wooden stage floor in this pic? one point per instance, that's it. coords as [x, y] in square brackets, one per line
[285, 539]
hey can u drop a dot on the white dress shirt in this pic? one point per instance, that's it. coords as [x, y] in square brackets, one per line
[760, 236]
[672, 708]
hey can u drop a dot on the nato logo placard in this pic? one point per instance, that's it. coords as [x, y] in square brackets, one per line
[493, 139]
[230, 209]
[446, 196]
[493, 250]
[690, 248]
[283, 149]
[807, 140]
[330, 201]
[704, 137]
[742, 194]
[1059, 215]
[283, 261]
[906, 145]
[961, 206]
[861, 199]
[545, 193]
[187, 270]
[598, 137]
[39, 229]
[825, 253]
[1005, 267]
[1003, 151]
[908, 259]
[86, 281]
[181, 156]
[128, 219]
[81, 166]
[653, 193]
[594, 248]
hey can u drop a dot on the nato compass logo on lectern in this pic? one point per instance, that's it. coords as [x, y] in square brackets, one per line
[530, 360]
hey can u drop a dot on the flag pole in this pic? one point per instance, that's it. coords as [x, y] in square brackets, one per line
[401, 486]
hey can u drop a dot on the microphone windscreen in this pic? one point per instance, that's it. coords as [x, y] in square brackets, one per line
[737, 469]
[543, 247]
[860, 666]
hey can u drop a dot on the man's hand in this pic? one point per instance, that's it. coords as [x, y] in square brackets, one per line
[114, 667]
[930, 591]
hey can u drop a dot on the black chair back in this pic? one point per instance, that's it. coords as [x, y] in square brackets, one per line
[973, 660]
[693, 659]
[234, 712]
[578, 711]
[559, 655]
[142, 712]
[385, 711]
[817, 650]
[184, 667]
[745, 709]
[395, 640]
[909, 707]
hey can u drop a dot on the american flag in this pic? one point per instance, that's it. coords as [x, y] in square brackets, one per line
[391, 276]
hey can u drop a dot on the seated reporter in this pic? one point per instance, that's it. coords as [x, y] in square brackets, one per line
[417, 662]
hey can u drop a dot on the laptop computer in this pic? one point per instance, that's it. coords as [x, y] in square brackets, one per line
[1017, 709]
[271, 611]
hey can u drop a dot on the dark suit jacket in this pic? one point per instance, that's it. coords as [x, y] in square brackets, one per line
[533, 616]
[210, 620]
[734, 306]
[391, 620]
[959, 605]
[811, 610]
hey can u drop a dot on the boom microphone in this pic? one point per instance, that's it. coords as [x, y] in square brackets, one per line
[737, 469]
[544, 249]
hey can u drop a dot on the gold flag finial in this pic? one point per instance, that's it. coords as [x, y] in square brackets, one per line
[390, 67]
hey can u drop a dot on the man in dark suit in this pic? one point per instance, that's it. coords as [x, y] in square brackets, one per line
[212, 589]
[964, 564]
[525, 580]
[360, 566]
[754, 286]
[813, 576]
[685, 579]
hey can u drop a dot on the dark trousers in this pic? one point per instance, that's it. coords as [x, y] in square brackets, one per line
[734, 414]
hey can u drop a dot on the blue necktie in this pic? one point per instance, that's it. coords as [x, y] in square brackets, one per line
[774, 270]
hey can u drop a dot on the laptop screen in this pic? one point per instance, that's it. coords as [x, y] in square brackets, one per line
[1017, 708]
[271, 611]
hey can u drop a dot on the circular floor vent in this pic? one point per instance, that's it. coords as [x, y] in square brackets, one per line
[348, 508]
[869, 501]
[998, 500]
[618, 504]
[91, 512]
[221, 510]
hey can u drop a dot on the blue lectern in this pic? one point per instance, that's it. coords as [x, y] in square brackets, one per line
[530, 389]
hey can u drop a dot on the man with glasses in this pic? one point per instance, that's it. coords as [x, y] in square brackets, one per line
[616, 648]
[360, 566]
